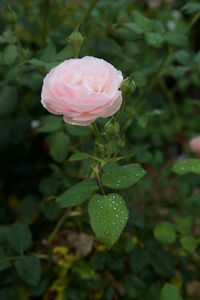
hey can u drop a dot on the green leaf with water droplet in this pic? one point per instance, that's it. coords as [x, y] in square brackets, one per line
[186, 166]
[108, 216]
[78, 193]
[119, 177]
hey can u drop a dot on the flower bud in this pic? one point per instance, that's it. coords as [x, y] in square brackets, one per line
[99, 147]
[128, 86]
[76, 40]
[121, 142]
[112, 129]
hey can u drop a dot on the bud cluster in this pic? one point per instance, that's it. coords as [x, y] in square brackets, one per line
[112, 128]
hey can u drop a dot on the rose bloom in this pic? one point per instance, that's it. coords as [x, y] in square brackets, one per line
[82, 90]
[194, 144]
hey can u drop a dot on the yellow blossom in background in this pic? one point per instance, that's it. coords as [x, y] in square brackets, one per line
[78, 208]
[62, 257]
[135, 240]
[56, 289]
[97, 295]
[101, 247]
[13, 202]
[177, 282]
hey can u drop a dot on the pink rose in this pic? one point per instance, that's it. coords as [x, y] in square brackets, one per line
[194, 144]
[82, 90]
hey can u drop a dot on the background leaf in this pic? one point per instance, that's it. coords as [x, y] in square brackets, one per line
[29, 269]
[59, 143]
[170, 291]
[8, 100]
[187, 166]
[19, 237]
[4, 262]
[10, 54]
[165, 233]
[78, 193]
[154, 39]
[50, 123]
[189, 243]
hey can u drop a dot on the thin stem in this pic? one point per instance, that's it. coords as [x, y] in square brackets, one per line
[110, 146]
[58, 226]
[121, 109]
[193, 22]
[40, 256]
[100, 184]
[95, 129]
[164, 60]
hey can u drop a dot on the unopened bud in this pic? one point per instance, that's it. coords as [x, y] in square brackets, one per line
[121, 142]
[112, 129]
[128, 86]
[99, 147]
[76, 40]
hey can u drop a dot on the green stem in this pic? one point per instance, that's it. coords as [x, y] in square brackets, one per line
[110, 146]
[193, 22]
[100, 184]
[40, 256]
[58, 226]
[119, 114]
[95, 129]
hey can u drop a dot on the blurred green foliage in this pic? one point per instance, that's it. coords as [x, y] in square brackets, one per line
[157, 256]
